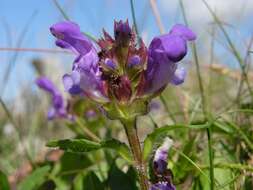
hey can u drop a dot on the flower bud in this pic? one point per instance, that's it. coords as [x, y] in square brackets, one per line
[134, 61]
[122, 33]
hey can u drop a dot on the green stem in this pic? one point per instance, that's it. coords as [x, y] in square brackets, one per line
[204, 103]
[211, 169]
[134, 20]
[230, 166]
[172, 117]
[133, 139]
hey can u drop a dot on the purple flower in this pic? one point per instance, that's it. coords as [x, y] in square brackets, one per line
[85, 76]
[91, 114]
[163, 186]
[154, 106]
[161, 156]
[163, 54]
[57, 109]
[162, 174]
[118, 69]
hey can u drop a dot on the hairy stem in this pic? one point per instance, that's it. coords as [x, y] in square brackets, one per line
[133, 139]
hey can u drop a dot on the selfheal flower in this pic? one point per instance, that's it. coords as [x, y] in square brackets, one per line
[163, 176]
[85, 76]
[161, 156]
[57, 109]
[163, 54]
[119, 71]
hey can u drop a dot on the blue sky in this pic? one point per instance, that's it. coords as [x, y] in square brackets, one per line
[92, 16]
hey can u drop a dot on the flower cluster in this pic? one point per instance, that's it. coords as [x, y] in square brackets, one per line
[117, 69]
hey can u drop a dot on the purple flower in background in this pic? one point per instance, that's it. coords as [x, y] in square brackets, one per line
[163, 186]
[162, 173]
[163, 54]
[91, 114]
[161, 156]
[86, 76]
[57, 109]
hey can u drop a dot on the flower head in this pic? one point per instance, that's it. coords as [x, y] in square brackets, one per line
[58, 108]
[116, 69]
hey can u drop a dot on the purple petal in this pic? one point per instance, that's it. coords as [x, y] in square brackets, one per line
[92, 85]
[158, 74]
[110, 64]
[163, 186]
[164, 53]
[57, 108]
[57, 101]
[71, 83]
[179, 76]
[183, 31]
[69, 36]
[47, 85]
[90, 76]
[134, 61]
[51, 114]
[87, 62]
[173, 46]
[161, 156]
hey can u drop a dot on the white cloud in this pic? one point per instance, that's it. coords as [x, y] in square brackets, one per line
[197, 13]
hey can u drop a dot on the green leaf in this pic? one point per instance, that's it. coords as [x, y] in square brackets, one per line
[151, 138]
[74, 162]
[132, 174]
[35, 179]
[117, 179]
[75, 145]
[92, 182]
[83, 145]
[119, 147]
[4, 184]
[78, 182]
